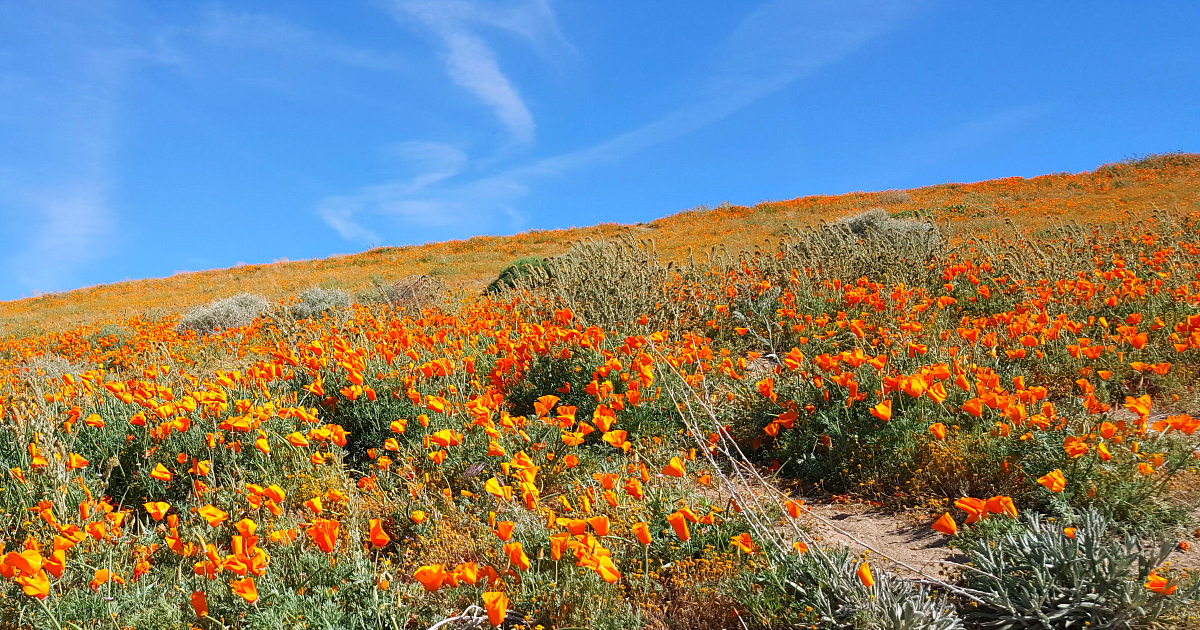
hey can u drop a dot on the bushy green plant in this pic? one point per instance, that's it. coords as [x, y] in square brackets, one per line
[826, 592]
[316, 301]
[529, 272]
[1039, 577]
[231, 312]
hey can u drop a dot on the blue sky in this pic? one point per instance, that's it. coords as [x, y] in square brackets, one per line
[138, 139]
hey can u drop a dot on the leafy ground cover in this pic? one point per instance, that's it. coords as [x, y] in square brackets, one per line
[620, 438]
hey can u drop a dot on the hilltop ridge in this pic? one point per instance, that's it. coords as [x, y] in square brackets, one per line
[1168, 182]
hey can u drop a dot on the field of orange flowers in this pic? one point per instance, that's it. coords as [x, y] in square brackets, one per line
[634, 442]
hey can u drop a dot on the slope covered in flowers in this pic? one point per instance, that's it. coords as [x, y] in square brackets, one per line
[629, 444]
[1103, 195]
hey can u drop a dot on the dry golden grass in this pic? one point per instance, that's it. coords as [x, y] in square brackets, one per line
[1107, 193]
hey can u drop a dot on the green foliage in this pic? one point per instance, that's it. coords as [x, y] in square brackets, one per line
[232, 312]
[316, 301]
[527, 272]
[1038, 577]
[826, 592]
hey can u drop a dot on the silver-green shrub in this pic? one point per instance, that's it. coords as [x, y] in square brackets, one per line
[51, 366]
[233, 312]
[825, 585]
[316, 301]
[1038, 577]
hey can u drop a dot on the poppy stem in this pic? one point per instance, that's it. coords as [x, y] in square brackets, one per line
[46, 608]
[645, 570]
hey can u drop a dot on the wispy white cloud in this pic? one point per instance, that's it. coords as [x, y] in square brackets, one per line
[62, 119]
[423, 200]
[472, 64]
[778, 43]
[259, 31]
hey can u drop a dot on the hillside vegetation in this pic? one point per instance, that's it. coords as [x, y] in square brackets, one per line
[632, 433]
[1104, 195]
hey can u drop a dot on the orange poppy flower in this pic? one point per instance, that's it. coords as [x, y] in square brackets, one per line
[379, 538]
[160, 473]
[215, 516]
[864, 575]
[946, 525]
[883, 410]
[504, 530]
[516, 555]
[199, 604]
[431, 576]
[36, 584]
[496, 605]
[103, 576]
[1074, 446]
[744, 542]
[642, 531]
[542, 406]
[606, 569]
[245, 589]
[679, 523]
[938, 430]
[324, 532]
[599, 525]
[1001, 505]
[975, 508]
[1159, 584]
[157, 509]
[56, 563]
[674, 468]
[617, 438]
[1054, 480]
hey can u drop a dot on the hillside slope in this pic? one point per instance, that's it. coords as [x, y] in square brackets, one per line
[1170, 182]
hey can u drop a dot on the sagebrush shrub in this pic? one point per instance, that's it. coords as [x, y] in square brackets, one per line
[316, 301]
[1038, 576]
[51, 366]
[232, 312]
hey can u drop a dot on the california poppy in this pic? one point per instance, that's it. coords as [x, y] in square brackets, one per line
[516, 555]
[504, 530]
[160, 472]
[245, 589]
[324, 532]
[379, 538]
[642, 531]
[496, 605]
[1159, 584]
[215, 516]
[744, 542]
[157, 509]
[599, 525]
[199, 604]
[946, 525]
[674, 468]
[864, 575]
[431, 576]
[1054, 480]
[679, 524]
